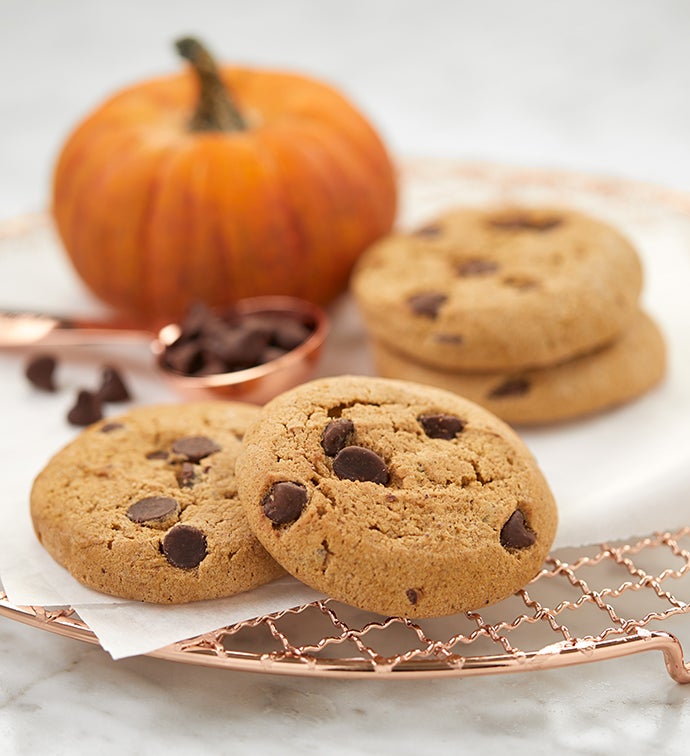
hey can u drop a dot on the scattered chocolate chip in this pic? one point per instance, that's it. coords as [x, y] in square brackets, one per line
[113, 387]
[476, 267]
[195, 448]
[40, 371]
[86, 410]
[516, 386]
[158, 454]
[336, 435]
[430, 230]
[184, 546]
[187, 475]
[525, 221]
[427, 304]
[412, 596]
[515, 534]
[110, 427]
[152, 508]
[441, 425]
[284, 502]
[360, 464]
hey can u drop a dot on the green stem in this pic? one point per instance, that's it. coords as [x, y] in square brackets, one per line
[215, 110]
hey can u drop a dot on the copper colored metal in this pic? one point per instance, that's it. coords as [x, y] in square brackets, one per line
[602, 603]
[256, 384]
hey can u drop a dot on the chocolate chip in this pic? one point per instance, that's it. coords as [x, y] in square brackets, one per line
[525, 221]
[113, 387]
[238, 348]
[159, 454]
[516, 386]
[289, 334]
[336, 435]
[427, 304]
[152, 508]
[86, 410]
[441, 425]
[40, 371]
[515, 534]
[184, 357]
[476, 267]
[187, 475]
[184, 546]
[412, 596]
[284, 502]
[360, 464]
[212, 342]
[195, 448]
[110, 427]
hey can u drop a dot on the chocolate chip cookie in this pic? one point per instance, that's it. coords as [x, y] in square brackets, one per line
[499, 289]
[394, 497]
[144, 506]
[607, 377]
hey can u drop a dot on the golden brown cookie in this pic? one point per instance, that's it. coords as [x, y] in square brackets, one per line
[499, 289]
[145, 507]
[393, 497]
[605, 378]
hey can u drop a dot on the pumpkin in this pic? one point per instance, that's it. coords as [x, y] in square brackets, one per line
[219, 183]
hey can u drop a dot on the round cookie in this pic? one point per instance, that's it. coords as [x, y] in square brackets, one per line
[394, 497]
[144, 506]
[485, 290]
[605, 378]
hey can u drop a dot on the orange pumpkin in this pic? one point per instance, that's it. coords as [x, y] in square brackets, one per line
[217, 184]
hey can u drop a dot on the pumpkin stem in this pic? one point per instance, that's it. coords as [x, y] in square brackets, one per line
[215, 110]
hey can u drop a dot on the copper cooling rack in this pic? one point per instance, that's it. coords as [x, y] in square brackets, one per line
[585, 605]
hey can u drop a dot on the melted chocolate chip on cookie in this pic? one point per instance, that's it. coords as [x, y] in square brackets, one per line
[284, 502]
[336, 435]
[152, 508]
[360, 464]
[184, 546]
[476, 267]
[427, 304]
[195, 448]
[515, 534]
[517, 386]
[441, 425]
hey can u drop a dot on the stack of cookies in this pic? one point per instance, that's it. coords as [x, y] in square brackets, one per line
[393, 497]
[533, 313]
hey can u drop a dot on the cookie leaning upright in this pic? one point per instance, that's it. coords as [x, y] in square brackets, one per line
[395, 497]
[144, 506]
[497, 289]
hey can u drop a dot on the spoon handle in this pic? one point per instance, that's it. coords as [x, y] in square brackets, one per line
[24, 329]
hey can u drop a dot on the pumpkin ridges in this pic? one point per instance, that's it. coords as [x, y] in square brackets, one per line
[90, 246]
[326, 163]
[268, 249]
[288, 212]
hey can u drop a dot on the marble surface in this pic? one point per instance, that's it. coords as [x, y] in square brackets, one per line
[597, 87]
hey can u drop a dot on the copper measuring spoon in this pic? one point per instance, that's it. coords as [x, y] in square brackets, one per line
[255, 384]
